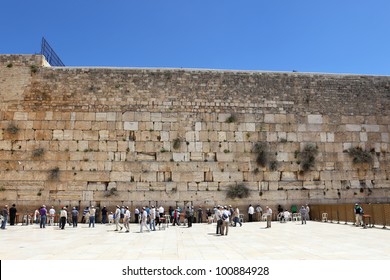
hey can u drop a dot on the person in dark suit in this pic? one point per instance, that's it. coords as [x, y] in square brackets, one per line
[12, 215]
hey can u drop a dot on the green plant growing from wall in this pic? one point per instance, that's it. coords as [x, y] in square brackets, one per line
[54, 174]
[261, 151]
[176, 143]
[12, 128]
[358, 155]
[34, 69]
[307, 157]
[273, 165]
[111, 192]
[38, 152]
[237, 191]
[231, 119]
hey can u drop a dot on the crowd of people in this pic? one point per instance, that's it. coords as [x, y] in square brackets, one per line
[150, 217]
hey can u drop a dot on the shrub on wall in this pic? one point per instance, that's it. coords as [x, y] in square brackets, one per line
[38, 152]
[176, 143]
[307, 156]
[12, 128]
[54, 174]
[231, 119]
[358, 155]
[260, 149]
[237, 191]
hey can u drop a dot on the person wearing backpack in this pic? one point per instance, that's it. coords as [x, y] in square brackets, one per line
[225, 221]
[358, 210]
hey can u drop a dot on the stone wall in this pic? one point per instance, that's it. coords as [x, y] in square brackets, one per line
[81, 136]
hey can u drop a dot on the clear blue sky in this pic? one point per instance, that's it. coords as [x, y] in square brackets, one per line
[333, 36]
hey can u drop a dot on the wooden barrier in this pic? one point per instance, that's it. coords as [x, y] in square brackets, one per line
[374, 214]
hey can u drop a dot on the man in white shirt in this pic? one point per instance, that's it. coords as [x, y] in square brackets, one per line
[126, 219]
[286, 215]
[161, 211]
[63, 217]
[52, 214]
[160, 215]
[251, 211]
[269, 216]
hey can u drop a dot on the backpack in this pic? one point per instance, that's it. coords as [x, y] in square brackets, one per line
[224, 216]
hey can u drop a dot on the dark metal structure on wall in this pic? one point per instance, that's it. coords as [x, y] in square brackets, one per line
[50, 54]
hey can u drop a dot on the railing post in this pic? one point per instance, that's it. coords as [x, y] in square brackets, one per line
[384, 216]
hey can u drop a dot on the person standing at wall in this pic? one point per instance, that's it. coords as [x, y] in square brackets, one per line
[12, 215]
[63, 217]
[4, 213]
[218, 217]
[136, 215]
[117, 218]
[126, 219]
[75, 216]
[85, 212]
[236, 216]
[104, 215]
[52, 214]
[36, 216]
[144, 219]
[152, 219]
[92, 214]
[189, 215]
[251, 211]
[43, 214]
[307, 212]
[268, 211]
[303, 213]
[161, 213]
[225, 221]
[200, 215]
[259, 212]
[358, 210]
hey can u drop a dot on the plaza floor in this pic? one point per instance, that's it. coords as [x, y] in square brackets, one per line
[283, 241]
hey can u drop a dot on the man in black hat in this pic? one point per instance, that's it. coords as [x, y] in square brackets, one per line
[12, 215]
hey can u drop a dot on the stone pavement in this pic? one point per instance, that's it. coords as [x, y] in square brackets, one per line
[287, 241]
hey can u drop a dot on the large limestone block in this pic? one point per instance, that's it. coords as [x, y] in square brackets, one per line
[291, 185]
[132, 126]
[315, 119]
[120, 176]
[177, 157]
[272, 176]
[312, 185]
[289, 176]
[225, 157]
